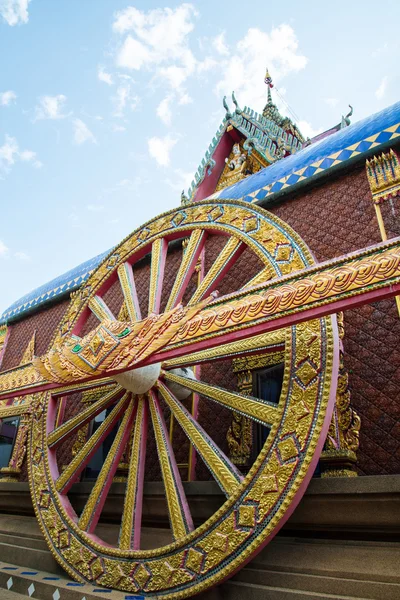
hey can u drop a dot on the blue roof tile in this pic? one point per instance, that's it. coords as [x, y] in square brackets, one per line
[67, 282]
[324, 154]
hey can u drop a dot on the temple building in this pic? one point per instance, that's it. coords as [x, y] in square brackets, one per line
[78, 407]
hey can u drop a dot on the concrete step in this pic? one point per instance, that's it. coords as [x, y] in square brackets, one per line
[234, 590]
[28, 556]
[290, 568]
[7, 595]
[48, 586]
[17, 582]
[319, 584]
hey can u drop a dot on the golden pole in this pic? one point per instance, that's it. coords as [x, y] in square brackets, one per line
[384, 238]
[380, 221]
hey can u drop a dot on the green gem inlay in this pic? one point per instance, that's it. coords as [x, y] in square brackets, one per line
[124, 332]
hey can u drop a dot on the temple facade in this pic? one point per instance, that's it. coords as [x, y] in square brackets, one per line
[213, 407]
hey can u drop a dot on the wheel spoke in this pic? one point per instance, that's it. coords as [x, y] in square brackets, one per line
[132, 515]
[127, 281]
[94, 505]
[76, 422]
[186, 269]
[80, 387]
[158, 255]
[227, 257]
[100, 309]
[224, 472]
[266, 342]
[79, 462]
[248, 406]
[180, 517]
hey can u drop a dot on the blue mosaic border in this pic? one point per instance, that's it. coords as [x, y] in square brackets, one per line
[58, 287]
[337, 149]
[326, 163]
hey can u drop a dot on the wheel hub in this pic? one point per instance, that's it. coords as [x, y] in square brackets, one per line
[140, 380]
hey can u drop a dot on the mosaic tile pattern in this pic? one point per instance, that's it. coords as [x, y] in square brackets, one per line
[372, 356]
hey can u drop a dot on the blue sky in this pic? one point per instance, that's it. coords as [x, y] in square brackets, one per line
[106, 107]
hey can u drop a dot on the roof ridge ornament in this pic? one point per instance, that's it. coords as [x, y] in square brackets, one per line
[228, 114]
[238, 110]
[268, 82]
[346, 120]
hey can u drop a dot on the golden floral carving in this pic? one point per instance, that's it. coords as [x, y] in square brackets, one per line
[339, 455]
[240, 432]
[383, 173]
[247, 164]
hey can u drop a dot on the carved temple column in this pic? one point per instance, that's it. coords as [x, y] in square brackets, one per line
[240, 432]
[339, 457]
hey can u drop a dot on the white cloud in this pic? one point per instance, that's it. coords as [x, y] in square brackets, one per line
[160, 149]
[22, 256]
[117, 128]
[9, 151]
[51, 107]
[95, 207]
[381, 91]
[332, 102]
[220, 45]
[30, 156]
[307, 129]
[3, 249]
[164, 110]
[181, 180]
[128, 184]
[10, 154]
[5, 253]
[104, 76]
[157, 39]
[82, 132]
[244, 70]
[207, 64]
[6, 98]
[14, 12]
[133, 54]
[124, 98]
[185, 99]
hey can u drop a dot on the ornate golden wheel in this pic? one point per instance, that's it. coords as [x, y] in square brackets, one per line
[140, 308]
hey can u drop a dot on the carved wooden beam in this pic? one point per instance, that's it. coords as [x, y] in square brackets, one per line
[351, 280]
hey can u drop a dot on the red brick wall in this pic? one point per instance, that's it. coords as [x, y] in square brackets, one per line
[333, 219]
[21, 333]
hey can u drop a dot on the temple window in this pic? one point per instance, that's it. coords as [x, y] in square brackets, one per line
[267, 385]
[96, 462]
[8, 434]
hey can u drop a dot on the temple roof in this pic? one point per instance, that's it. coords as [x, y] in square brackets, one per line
[357, 141]
[338, 149]
[55, 288]
[268, 133]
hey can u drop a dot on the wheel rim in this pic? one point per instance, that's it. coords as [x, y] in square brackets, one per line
[256, 505]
